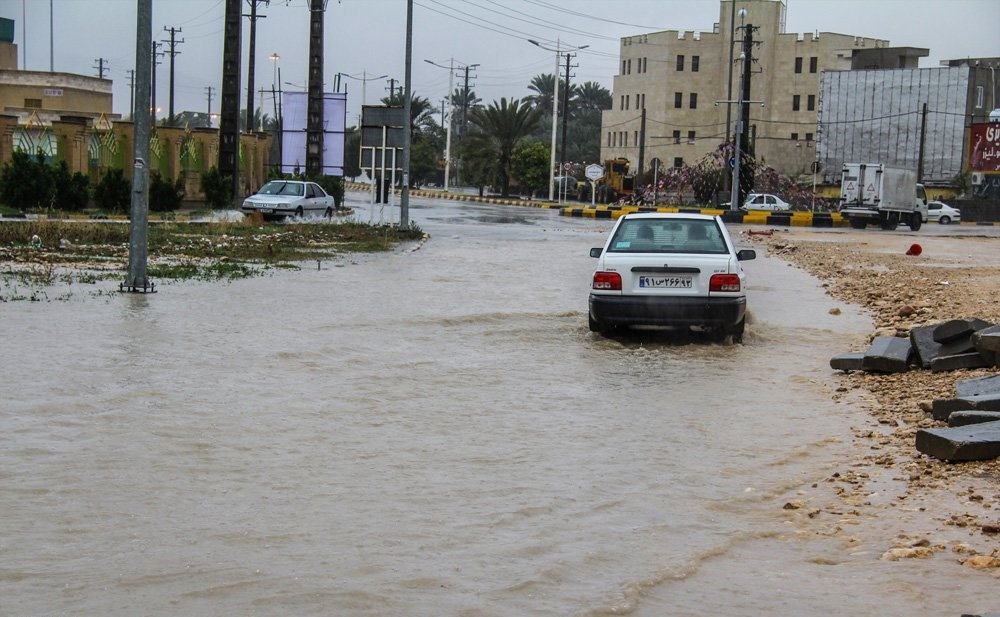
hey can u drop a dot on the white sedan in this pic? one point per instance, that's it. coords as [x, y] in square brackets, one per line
[284, 198]
[674, 271]
[943, 213]
[765, 202]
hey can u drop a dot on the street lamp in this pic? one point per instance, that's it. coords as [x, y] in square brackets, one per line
[555, 109]
[364, 79]
[274, 58]
[447, 148]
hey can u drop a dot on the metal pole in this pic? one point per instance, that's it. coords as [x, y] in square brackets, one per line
[137, 280]
[555, 120]
[734, 199]
[451, 104]
[404, 200]
[52, 61]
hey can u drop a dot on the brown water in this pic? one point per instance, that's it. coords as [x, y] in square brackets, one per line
[429, 432]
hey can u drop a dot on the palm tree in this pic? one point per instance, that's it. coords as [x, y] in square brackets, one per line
[542, 86]
[421, 112]
[497, 130]
[592, 95]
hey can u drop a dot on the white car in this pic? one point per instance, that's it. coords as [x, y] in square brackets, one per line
[673, 270]
[284, 198]
[943, 213]
[765, 202]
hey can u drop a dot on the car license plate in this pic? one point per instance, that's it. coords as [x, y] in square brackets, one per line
[266, 210]
[665, 282]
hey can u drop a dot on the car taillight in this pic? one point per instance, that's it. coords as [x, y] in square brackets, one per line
[724, 282]
[608, 281]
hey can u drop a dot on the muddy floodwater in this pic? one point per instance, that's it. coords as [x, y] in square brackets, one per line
[431, 432]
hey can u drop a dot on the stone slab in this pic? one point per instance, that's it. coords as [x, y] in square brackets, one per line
[888, 354]
[965, 360]
[976, 442]
[987, 339]
[965, 418]
[924, 345]
[987, 384]
[848, 362]
[942, 408]
[957, 328]
[957, 347]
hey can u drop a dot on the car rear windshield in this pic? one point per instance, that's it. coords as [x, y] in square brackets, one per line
[668, 236]
[277, 187]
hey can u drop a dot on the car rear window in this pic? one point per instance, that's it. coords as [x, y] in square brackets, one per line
[668, 236]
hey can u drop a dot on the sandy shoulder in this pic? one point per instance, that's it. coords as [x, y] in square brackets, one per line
[918, 506]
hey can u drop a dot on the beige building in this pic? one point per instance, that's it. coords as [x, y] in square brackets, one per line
[680, 78]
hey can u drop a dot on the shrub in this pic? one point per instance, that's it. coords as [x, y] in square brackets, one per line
[334, 185]
[218, 189]
[164, 196]
[113, 193]
[72, 192]
[26, 182]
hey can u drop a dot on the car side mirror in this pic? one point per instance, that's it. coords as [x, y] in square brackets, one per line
[746, 254]
[596, 251]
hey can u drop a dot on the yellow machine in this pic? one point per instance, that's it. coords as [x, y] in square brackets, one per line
[615, 184]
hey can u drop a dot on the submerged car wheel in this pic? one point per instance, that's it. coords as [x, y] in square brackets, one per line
[597, 326]
[299, 212]
[737, 331]
[329, 213]
[944, 220]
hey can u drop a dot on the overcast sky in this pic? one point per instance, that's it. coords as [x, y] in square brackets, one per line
[367, 37]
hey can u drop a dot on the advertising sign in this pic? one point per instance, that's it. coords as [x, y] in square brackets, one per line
[984, 148]
[294, 115]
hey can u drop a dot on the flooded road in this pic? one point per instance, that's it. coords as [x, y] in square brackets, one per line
[429, 432]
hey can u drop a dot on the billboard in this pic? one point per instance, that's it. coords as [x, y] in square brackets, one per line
[984, 148]
[295, 119]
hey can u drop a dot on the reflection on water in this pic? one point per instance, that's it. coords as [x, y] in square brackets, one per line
[434, 432]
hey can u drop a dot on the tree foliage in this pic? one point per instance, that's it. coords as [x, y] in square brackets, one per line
[114, 192]
[499, 128]
[164, 195]
[530, 165]
[25, 183]
[218, 189]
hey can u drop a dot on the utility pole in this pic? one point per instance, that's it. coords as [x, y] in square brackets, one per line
[208, 92]
[152, 88]
[131, 94]
[747, 169]
[565, 106]
[314, 107]
[391, 88]
[251, 65]
[137, 280]
[99, 67]
[642, 143]
[229, 121]
[465, 102]
[173, 42]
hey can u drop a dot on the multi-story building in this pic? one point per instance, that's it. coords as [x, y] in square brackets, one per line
[683, 79]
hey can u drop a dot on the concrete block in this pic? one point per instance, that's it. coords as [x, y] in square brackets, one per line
[888, 354]
[942, 408]
[965, 418]
[956, 347]
[988, 384]
[987, 339]
[976, 442]
[924, 345]
[848, 362]
[965, 360]
[957, 328]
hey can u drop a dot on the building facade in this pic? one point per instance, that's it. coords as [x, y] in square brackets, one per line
[683, 79]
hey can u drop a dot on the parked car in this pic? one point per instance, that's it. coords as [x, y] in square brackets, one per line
[284, 198]
[670, 270]
[766, 202]
[943, 213]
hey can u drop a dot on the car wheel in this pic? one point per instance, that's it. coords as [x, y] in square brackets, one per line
[915, 221]
[329, 213]
[737, 331]
[857, 223]
[299, 212]
[944, 220]
[596, 326]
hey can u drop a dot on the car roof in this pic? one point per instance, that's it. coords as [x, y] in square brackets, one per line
[669, 215]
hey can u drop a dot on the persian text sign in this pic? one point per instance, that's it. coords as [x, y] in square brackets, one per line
[984, 147]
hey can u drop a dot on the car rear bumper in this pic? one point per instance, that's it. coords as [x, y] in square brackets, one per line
[667, 311]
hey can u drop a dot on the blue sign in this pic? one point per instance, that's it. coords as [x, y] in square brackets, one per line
[732, 162]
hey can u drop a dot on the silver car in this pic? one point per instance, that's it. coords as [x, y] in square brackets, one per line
[670, 270]
[285, 198]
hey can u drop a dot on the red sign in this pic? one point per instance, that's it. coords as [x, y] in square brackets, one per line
[984, 148]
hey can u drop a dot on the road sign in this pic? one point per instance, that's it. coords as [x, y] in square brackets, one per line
[732, 162]
[594, 172]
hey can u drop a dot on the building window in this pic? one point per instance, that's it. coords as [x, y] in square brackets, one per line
[637, 102]
[627, 99]
[625, 135]
[678, 100]
[695, 61]
[813, 64]
[677, 137]
[635, 136]
[690, 137]
[33, 103]
[623, 67]
[694, 100]
[643, 102]
[678, 162]
[680, 63]
[809, 137]
[979, 97]
[609, 139]
[630, 66]
[645, 64]
[796, 102]
[798, 64]
[811, 102]
[795, 136]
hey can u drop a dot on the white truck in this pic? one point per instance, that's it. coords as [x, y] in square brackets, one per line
[872, 193]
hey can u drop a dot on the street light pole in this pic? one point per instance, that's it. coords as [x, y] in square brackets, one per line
[451, 104]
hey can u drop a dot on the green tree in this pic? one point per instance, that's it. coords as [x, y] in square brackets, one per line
[164, 195]
[218, 189]
[113, 193]
[352, 152]
[72, 191]
[499, 128]
[26, 182]
[542, 87]
[530, 166]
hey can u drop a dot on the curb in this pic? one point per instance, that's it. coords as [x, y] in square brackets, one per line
[789, 219]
